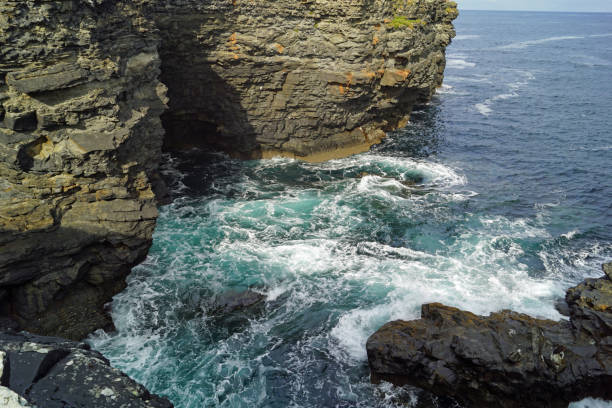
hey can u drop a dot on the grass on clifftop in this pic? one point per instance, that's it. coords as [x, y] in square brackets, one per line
[403, 21]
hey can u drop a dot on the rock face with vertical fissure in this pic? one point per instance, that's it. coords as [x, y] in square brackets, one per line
[82, 105]
[506, 359]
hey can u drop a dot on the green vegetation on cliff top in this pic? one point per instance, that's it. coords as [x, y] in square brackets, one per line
[403, 21]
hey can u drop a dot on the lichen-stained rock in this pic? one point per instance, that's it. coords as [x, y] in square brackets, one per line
[506, 359]
[50, 372]
[314, 79]
[80, 143]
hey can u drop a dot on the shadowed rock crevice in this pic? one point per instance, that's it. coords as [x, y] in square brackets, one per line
[67, 291]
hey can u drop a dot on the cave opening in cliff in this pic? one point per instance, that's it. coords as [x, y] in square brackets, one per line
[204, 109]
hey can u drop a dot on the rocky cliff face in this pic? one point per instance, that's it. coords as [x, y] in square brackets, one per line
[312, 79]
[81, 135]
[80, 142]
[507, 359]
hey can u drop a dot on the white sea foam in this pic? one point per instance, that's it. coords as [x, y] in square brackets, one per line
[570, 234]
[484, 108]
[169, 168]
[447, 89]
[591, 403]
[467, 37]
[474, 79]
[525, 44]
[399, 168]
[459, 63]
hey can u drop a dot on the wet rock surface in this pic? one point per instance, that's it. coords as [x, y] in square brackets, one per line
[506, 359]
[56, 373]
[233, 301]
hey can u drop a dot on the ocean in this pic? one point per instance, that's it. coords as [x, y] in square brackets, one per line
[497, 194]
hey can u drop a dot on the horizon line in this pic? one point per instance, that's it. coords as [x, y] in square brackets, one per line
[539, 11]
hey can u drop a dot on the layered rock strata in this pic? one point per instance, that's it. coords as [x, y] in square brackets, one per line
[506, 359]
[80, 142]
[48, 372]
[81, 135]
[312, 79]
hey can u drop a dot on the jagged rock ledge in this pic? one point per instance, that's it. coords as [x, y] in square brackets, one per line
[37, 371]
[507, 359]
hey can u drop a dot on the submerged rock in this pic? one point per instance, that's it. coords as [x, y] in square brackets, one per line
[232, 301]
[507, 359]
[51, 372]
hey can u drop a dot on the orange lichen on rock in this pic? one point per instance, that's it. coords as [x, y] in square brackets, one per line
[404, 73]
[349, 79]
[369, 74]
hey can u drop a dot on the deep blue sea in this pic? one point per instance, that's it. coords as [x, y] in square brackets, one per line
[498, 194]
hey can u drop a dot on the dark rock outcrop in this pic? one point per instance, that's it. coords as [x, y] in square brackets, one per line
[506, 359]
[55, 373]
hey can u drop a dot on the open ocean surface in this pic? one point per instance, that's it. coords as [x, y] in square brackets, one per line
[498, 194]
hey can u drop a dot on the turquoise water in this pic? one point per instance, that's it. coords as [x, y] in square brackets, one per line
[496, 195]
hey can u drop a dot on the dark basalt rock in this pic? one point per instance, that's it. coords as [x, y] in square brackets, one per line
[507, 359]
[55, 373]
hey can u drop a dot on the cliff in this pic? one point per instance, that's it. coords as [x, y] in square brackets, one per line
[80, 142]
[83, 87]
[312, 79]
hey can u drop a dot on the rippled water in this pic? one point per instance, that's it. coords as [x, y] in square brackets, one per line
[496, 195]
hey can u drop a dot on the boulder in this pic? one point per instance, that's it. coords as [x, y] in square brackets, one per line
[51, 372]
[506, 359]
